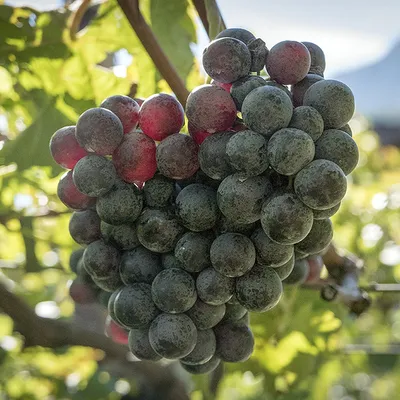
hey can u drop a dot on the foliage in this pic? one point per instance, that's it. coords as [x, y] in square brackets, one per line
[304, 347]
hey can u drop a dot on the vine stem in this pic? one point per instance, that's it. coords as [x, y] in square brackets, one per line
[132, 12]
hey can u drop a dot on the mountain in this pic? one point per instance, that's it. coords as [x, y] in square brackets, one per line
[376, 88]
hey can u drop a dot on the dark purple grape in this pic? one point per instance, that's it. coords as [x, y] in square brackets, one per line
[139, 265]
[232, 254]
[196, 206]
[84, 226]
[320, 185]
[74, 258]
[299, 273]
[227, 59]
[214, 288]
[205, 368]
[99, 130]
[94, 175]
[206, 316]
[329, 212]
[333, 100]
[259, 290]
[318, 238]
[139, 345]
[234, 312]
[300, 88]
[123, 237]
[259, 52]
[177, 156]
[204, 349]
[237, 33]
[286, 269]
[317, 58]
[173, 336]
[174, 291]
[309, 120]
[242, 87]
[158, 191]
[169, 260]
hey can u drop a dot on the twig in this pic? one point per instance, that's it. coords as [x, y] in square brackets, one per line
[146, 36]
[53, 334]
[77, 18]
[202, 11]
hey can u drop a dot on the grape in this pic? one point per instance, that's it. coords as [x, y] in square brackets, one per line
[177, 156]
[245, 320]
[346, 128]
[110, 283]
[235, 342]
[74, 258]
[237, 33]
[285, 219]
[103, 297]
[210, 108]
[173, 336]
[266, 110]
[214, 288]
[139, 345]
[234, 312]
[213, 159]
[247, 153]
[309, 120]
[65, 149]
[300, 88]
[288, 62]
[320, 185]
[278, 181]
[242, 87]
[337, 146]
[227, 59]
[198, 135]
[317, 58]
[158, 230]
[285, 270]
[319, 237]
[169, 260]
[204, 349]
[101, 259]
[94, 175]
[115, 332]
[241, 201]
[259, 290]
[135, 158]
[80, 292]
[160, 116]
[258, 51]
[322, 214]
[139, 265]
[99, 130]
[299, 273]
[110, 306]
[84, 226]
[225, 86]
[123, 237]
[158, 191]
[68, 193]
[193, 251]
[315, 265]
[139, 100]
[270, 253]
[174, 291]
[232, 254]
[122, 204]
[225, 225]
[83, 274]
[196, 206]
[134, 306]
[205, 368]
[204, 179]
[125, 108]
[269, 82]
[206, 316]
[289, 150]
[333, 100]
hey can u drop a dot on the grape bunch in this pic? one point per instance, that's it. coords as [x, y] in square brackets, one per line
[185, 234]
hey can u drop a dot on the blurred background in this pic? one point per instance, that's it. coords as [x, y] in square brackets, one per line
[56, 61]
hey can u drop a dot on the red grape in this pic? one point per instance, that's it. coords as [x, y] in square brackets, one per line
[210, 108]
[81, 293]
[288, 62]
[197, 136]
[315, 264]
[125, 108]
[225, 86]
[71, 196]
[139, 100]
[161, 115]
[135, 158]
[115, 332]
[177, 156]
[65, 148]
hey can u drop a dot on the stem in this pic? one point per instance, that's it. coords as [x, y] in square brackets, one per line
[132, 12]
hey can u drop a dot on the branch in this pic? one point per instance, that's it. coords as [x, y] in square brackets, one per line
[214, 17]
[53, 334]
[146, 36]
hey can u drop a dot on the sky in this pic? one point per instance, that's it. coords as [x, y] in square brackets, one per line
[352, 33]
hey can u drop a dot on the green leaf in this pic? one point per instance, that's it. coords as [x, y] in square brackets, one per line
[31, 147]
[175, 31]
